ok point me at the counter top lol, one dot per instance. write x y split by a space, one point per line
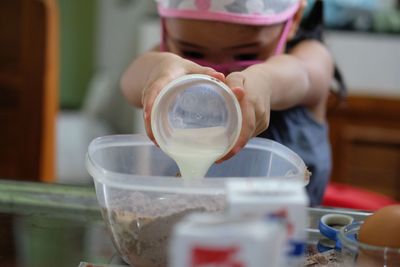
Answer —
49 225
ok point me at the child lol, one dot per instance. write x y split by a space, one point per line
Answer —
283 96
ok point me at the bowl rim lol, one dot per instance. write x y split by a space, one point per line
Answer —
356 245
198 186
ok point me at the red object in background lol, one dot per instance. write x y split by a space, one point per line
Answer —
202 256
346 196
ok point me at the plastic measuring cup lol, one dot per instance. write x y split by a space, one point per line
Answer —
196 119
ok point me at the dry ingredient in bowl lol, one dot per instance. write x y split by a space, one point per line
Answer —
330 258
141 226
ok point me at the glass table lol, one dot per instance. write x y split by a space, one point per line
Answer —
47 225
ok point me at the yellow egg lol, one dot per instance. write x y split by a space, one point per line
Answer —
382 228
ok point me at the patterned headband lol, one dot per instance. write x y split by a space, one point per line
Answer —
251 12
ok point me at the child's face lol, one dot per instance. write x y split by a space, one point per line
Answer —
219 42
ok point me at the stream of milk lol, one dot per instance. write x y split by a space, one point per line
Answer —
195 150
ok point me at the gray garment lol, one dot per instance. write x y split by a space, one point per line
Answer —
298 130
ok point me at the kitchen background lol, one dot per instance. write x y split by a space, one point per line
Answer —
61 61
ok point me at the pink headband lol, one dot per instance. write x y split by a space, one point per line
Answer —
249 12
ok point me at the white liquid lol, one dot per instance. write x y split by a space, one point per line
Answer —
195 150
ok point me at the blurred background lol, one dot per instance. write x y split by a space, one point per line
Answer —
61 61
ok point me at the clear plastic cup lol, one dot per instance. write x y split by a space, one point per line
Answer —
197 112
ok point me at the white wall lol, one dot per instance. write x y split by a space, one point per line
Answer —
105 111
369 62
119 22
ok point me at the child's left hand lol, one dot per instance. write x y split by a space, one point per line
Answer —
254 102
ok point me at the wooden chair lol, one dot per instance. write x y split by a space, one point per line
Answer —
28 89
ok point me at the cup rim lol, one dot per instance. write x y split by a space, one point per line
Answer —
196 77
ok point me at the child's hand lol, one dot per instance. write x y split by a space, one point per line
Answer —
168 68
255 105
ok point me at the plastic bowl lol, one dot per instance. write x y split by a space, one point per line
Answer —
358 254
142 199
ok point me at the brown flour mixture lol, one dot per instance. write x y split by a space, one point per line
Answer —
141 225
330 258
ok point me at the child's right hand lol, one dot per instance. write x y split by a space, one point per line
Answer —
167 67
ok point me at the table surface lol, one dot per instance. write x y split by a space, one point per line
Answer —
46 225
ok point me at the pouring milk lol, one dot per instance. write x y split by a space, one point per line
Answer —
195 150
196 120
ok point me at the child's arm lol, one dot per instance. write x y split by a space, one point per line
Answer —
149 73
302 77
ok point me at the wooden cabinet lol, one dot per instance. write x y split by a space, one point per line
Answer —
365 136
27 89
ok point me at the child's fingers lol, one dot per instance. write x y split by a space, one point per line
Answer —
262 123
235 81
150 93
148 98
197 69
147 125
217 75
246 132
239 93
241 142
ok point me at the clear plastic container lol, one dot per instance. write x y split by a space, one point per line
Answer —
142 199
358 254
198 113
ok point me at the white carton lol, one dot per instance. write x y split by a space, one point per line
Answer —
218 240
285 199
